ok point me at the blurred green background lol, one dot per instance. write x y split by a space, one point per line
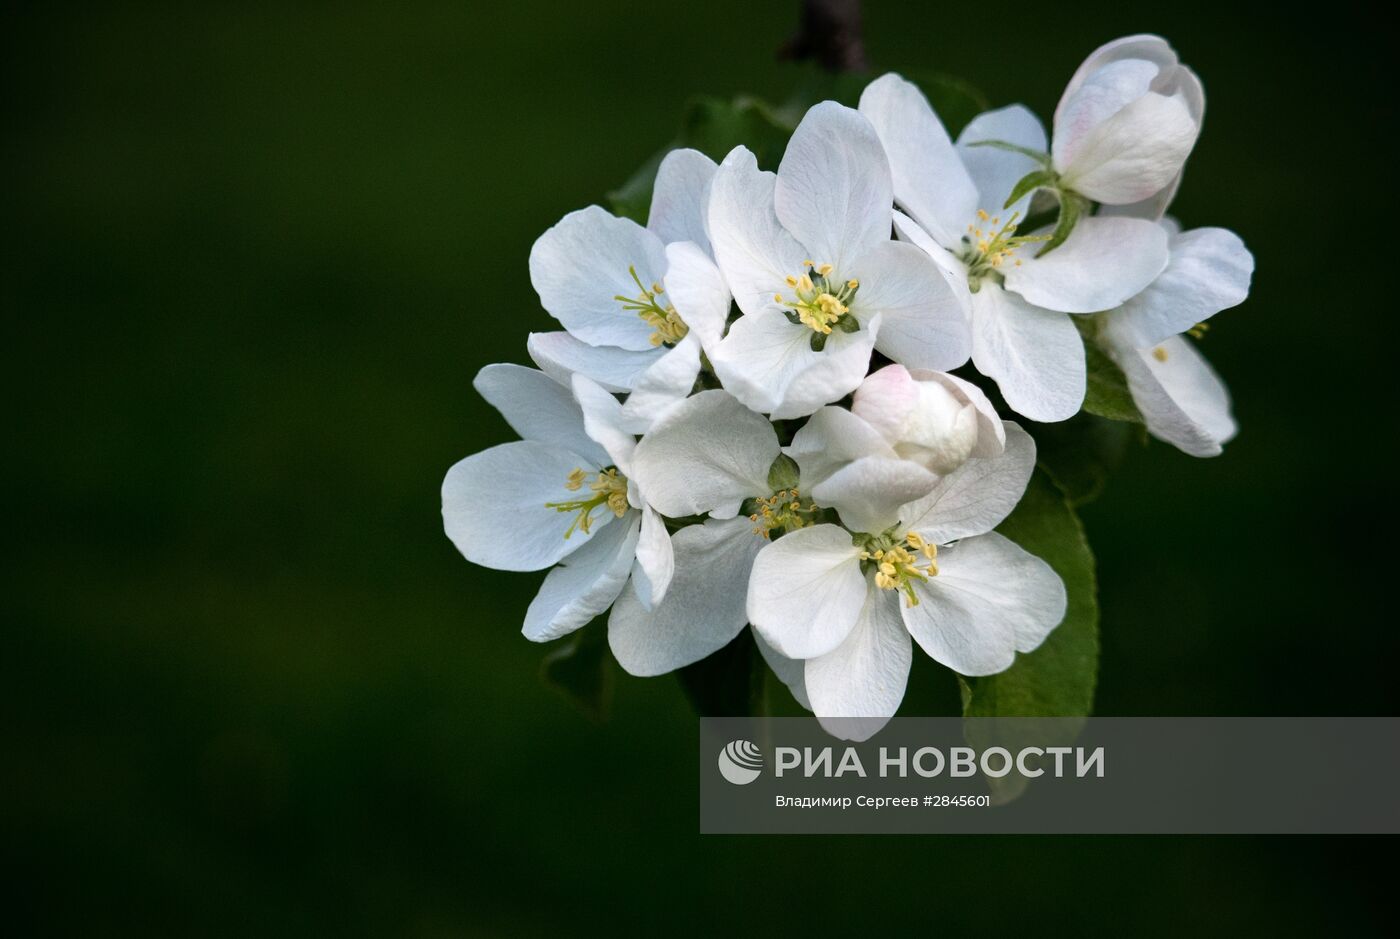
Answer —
255 254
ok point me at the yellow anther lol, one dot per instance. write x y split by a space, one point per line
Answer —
782 511
988 250
667 323
609 488
896 567
1160 354
820 300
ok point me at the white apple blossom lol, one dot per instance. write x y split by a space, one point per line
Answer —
808 257
710 455
952 198
1126 123
561 495
631 324
847 604
1181 399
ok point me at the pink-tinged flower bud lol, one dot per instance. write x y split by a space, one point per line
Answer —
930 418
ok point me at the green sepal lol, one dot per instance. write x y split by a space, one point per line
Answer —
1039 156
1072 207
1035 179
783 473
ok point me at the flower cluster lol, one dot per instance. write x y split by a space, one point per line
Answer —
749 416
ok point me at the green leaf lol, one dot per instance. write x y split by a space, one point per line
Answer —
633 198
580 667
1081 453
1032 181
1106 393
956 102
713 126
1057 679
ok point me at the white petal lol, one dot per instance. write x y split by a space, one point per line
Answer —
857 687
1153 49
954 271
581 264
702 612
930 180
996 171
1135 153
583 585
752 248
604 422
493 506
1100 95
869 492
560 355
922 319
1209 271
678 197
667 383
991 437
1182 399
789 671
1173 81
976 496
885 401
710 452
537 408
1104 262
832 438
834 191
698 291
807 591
1035 356
768 363
656 562
990 599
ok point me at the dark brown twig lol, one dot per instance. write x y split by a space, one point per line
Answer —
830 35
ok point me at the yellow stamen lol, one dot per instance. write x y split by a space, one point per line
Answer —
820 301
609 488
897 567
670 328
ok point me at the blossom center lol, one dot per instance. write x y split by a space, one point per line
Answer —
990 244
783 512
667 323
608 488
896 562
820 301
